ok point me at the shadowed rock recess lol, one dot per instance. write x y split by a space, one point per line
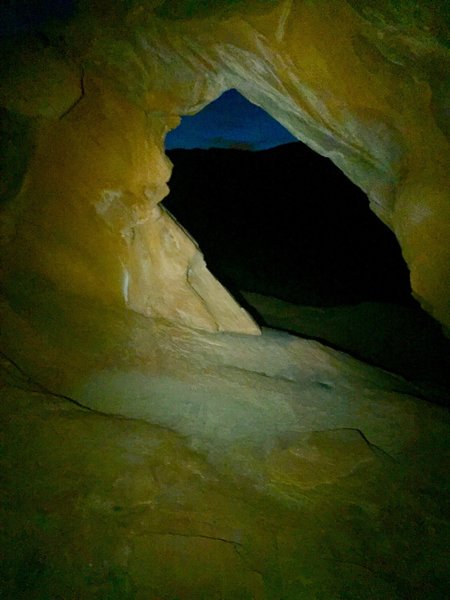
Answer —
156 443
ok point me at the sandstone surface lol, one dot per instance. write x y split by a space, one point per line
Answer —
94 97
154 445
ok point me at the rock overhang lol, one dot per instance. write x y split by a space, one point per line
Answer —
357 85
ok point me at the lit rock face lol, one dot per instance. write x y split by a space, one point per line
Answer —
109 239
93 101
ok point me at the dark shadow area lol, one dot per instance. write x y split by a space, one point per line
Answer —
287 225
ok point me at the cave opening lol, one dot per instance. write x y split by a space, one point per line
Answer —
294 240
274 217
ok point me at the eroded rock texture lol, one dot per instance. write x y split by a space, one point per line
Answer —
210 463
94 98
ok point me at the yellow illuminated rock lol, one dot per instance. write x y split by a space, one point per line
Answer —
156 443
362 86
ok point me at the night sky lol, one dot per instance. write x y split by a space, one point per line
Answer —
19 16
231 121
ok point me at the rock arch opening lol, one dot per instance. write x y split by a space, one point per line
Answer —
293 239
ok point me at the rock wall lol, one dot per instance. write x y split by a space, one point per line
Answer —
87 103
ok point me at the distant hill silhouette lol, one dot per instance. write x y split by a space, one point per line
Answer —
288 223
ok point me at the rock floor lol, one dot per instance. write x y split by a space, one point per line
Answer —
248 467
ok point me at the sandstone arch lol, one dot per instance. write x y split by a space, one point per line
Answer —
241 465
100 93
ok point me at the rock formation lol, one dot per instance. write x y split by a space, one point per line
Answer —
93 99
153 448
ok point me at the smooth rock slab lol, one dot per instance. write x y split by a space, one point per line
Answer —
97 506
